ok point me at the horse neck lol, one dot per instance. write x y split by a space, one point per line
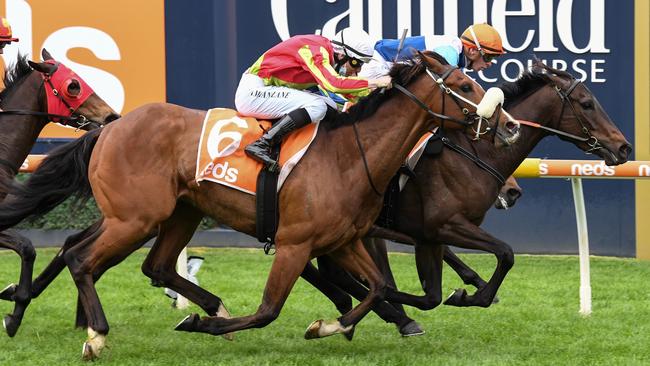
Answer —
19 133
387 137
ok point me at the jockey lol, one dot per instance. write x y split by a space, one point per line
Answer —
475 49
5 34
274 87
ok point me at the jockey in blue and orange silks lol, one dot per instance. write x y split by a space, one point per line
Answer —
475 49
274 87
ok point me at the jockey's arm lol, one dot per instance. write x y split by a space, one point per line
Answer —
317 63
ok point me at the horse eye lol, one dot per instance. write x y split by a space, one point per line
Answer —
74 88
466 88
587 105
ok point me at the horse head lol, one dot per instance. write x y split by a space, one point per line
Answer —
70 100
582 119
508 195
481 110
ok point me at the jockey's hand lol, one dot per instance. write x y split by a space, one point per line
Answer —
382 82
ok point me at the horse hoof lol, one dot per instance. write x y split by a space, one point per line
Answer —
411 329
457 298
349 334
11 325
312 331
8 292
87 353
189 324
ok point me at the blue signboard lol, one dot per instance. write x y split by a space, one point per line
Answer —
210 43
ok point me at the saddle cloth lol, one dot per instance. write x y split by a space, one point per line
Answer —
221 157
414 156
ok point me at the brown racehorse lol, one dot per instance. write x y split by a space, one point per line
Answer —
24 114
142 177
552 98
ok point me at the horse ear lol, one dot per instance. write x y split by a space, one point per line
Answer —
430 61
46 55
42 67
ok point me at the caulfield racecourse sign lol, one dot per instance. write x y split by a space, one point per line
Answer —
553 30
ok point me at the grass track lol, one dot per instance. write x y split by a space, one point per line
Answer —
536 323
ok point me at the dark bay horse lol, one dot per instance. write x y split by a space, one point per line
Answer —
27 105
562 106
144 180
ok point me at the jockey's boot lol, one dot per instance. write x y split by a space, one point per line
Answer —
260 150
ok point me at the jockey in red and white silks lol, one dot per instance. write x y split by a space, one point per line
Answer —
274 87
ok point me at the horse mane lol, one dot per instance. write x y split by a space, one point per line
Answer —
402 73
538 76
15 74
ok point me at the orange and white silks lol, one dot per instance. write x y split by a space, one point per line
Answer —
221 157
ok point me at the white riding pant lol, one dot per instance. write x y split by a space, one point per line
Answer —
255 99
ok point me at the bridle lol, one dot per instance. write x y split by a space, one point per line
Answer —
470 117
590 140
77 120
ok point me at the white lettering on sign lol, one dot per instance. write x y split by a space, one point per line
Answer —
644 170
527 8
58 43
599 169
543 169
103 46
551 22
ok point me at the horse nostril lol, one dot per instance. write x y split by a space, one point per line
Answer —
112 117
514 193
624 151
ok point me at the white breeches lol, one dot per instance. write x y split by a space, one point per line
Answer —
255 99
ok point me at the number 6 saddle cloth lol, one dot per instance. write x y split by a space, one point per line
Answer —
221 157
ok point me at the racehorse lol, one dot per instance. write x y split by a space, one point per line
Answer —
144 180
560 105
34 95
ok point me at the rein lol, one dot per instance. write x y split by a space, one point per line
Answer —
590 139
474 158
440 81
79 120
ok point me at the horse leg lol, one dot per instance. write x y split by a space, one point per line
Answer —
468 275
289 261
20 294
338 297
345 281
355 259
428 260
104 248
378 250
160 264
462 233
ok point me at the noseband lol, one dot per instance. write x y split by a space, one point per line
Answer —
77 121
591 140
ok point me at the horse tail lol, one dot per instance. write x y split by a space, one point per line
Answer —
63 173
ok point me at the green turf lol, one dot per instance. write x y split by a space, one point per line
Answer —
536 322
